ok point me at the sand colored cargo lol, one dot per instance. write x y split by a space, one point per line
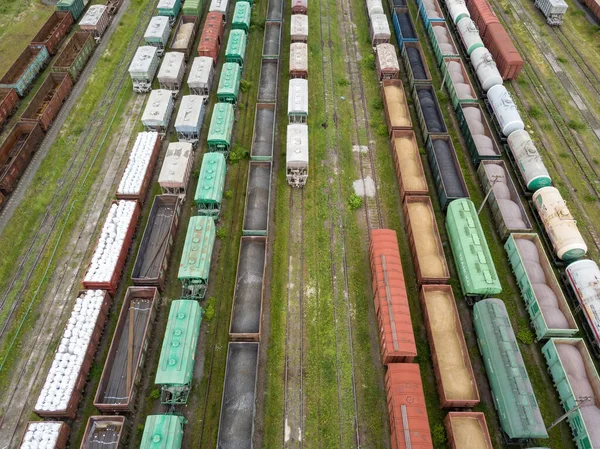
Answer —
425 243
467 430
407 160
453 371
397 114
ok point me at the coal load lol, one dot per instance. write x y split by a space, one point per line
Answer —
414 57
431 114
447 167
406 26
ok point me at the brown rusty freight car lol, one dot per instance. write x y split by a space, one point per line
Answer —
16 153
53 31
48 100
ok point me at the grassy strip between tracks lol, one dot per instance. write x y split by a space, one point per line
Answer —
21 228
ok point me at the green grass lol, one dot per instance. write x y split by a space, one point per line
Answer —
52 178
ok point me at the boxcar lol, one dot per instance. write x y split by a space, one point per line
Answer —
211 182
477 133
95 21
396 335
594 6
8 104
457 82
221 128
517 408
212 34
425 242
447 174
404 28
122 371
482 14
75 7
504 201
47 434
407 410
235 51
16 152
103 430
540 290
415 64
169 428
48 100
409 167
176 168
179 345
152 261
467 429
296 154
53 31
25 70
194 268
454 375
397 114
184 35
386 62
75 55
507 57
476 269
241 16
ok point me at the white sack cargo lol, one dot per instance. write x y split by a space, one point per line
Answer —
139 158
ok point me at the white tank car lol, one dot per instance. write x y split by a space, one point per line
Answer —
505 110
457 9
584 278
485 67
559 224
530 164
374 7
469 34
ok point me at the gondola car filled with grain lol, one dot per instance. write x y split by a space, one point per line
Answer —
24 71
16 152
525 156
48 100
221 128
143 67
171 72
415 64
158 32
95 21
53 31
201 76
45 435
545 302
467 430
158 110
211 183
176 168
123 369
477 133
184 35
397 114
152 261
194 267
518 411
75 55
63 387
504 201
409 167
476 269
454 375
175 371
190 118
447 175
396 335
386 62
103 431
425 242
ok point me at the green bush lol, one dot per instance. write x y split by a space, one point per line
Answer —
382 130
245 85
576 125
222 233
377 104
355 202
140 429
209 309
368 62
535 112
155 394
196 174
228 194
438 435
237 154
342 82
525 336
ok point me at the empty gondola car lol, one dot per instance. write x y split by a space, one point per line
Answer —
296 154
518 411
75 55
175 371
53 31
211 182
194 268
24 71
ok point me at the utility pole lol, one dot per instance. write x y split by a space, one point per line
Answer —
580 403
495 179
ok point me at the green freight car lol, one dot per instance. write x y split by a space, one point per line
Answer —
178 354
514 400
229 83
192 8
194 268
163 432
169 8
236 48
544 299
74 56
241 16
571 366
75 7
221 128
476 270
211 182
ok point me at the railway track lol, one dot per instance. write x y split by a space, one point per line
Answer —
50 222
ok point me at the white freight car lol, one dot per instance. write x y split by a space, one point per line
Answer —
190 117
176 168
296 168
158 110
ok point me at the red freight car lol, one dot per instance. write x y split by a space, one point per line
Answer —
53 31
61 438
46 103
106 430
482 14
16 153
212 35
8 104
507 58
409 423
594 6
391 301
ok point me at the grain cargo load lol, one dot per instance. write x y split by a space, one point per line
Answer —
407 410
415 64
386 62
425 242
45 435
518 411
409 167
477 133
447 175
184 35
583 277
467 430
176 168
457 82
95 21
138 173
190 118
122 371
201 76
8 104
504 201
152 261
112 247
158 111
442 42
158 32
102 431
397 114
53 31
396 336
60 395
75 55
171 72
476 269
48 100
24 71
16 152
456 383
547 307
